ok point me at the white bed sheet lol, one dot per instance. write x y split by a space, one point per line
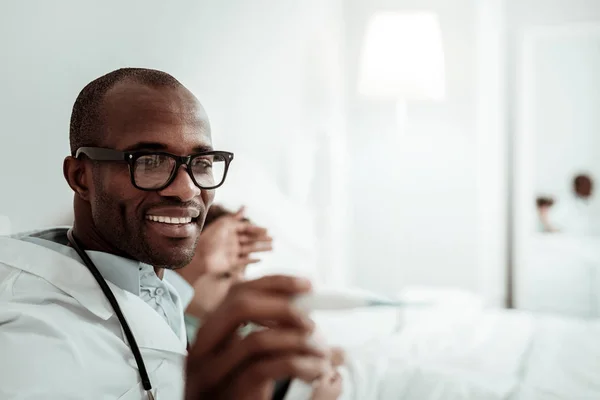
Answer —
490 355
451 356
563 362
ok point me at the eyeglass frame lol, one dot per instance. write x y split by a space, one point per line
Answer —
130 157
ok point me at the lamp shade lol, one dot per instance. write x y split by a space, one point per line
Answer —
403 57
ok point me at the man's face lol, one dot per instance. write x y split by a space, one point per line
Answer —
138 117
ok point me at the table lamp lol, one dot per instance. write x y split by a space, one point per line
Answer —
403 59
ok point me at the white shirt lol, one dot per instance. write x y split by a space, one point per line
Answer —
575 216
60 338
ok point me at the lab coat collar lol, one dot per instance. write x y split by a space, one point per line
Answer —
126 276
123 272
73 278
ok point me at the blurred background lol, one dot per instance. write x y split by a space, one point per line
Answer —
385 143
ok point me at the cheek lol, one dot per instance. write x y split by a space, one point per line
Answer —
117 177
207 197
113 186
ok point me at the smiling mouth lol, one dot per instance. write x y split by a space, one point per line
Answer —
171 220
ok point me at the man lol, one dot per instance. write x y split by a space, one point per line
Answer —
143 172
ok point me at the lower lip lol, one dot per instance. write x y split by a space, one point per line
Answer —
173 230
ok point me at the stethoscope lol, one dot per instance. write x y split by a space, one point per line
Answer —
115 305
281 387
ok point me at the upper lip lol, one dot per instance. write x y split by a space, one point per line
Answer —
174 212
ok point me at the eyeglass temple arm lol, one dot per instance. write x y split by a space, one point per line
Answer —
100 154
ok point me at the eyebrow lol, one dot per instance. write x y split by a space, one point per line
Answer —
161 147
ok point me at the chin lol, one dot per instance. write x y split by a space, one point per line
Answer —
170 261
173 255
167 251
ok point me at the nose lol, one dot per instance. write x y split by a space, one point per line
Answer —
182 187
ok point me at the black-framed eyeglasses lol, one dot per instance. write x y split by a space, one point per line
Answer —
155 170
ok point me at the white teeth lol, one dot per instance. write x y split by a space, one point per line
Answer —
169 220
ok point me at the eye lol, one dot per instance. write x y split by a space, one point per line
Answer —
152 161
204 162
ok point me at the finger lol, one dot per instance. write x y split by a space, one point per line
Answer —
282 325
283 284
245 261
219 326
306 368
245 239
199 368
255 301
269 341
261 344
255 247
336 377
240 213
338 355
254 230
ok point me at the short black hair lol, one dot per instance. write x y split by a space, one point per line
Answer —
544 201
86 121
582 179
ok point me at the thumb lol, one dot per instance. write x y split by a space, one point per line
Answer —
241 213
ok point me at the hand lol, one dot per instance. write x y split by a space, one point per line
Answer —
223 366
226 245
252 239
338 356
329 387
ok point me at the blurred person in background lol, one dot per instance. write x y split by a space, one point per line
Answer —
577 214
544 207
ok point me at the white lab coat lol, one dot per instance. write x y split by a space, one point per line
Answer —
60 338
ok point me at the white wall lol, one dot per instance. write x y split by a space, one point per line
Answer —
521 17
565 106
492 151
414 193
255 66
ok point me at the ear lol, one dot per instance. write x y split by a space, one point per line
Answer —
74 171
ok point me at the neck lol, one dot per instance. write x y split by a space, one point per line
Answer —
91 239
86 233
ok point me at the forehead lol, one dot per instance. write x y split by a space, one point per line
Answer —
134 113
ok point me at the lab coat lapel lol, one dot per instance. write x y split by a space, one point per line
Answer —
150 329
71 276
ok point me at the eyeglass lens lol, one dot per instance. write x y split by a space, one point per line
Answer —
152 171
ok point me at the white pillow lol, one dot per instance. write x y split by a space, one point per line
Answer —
446 302
349 328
